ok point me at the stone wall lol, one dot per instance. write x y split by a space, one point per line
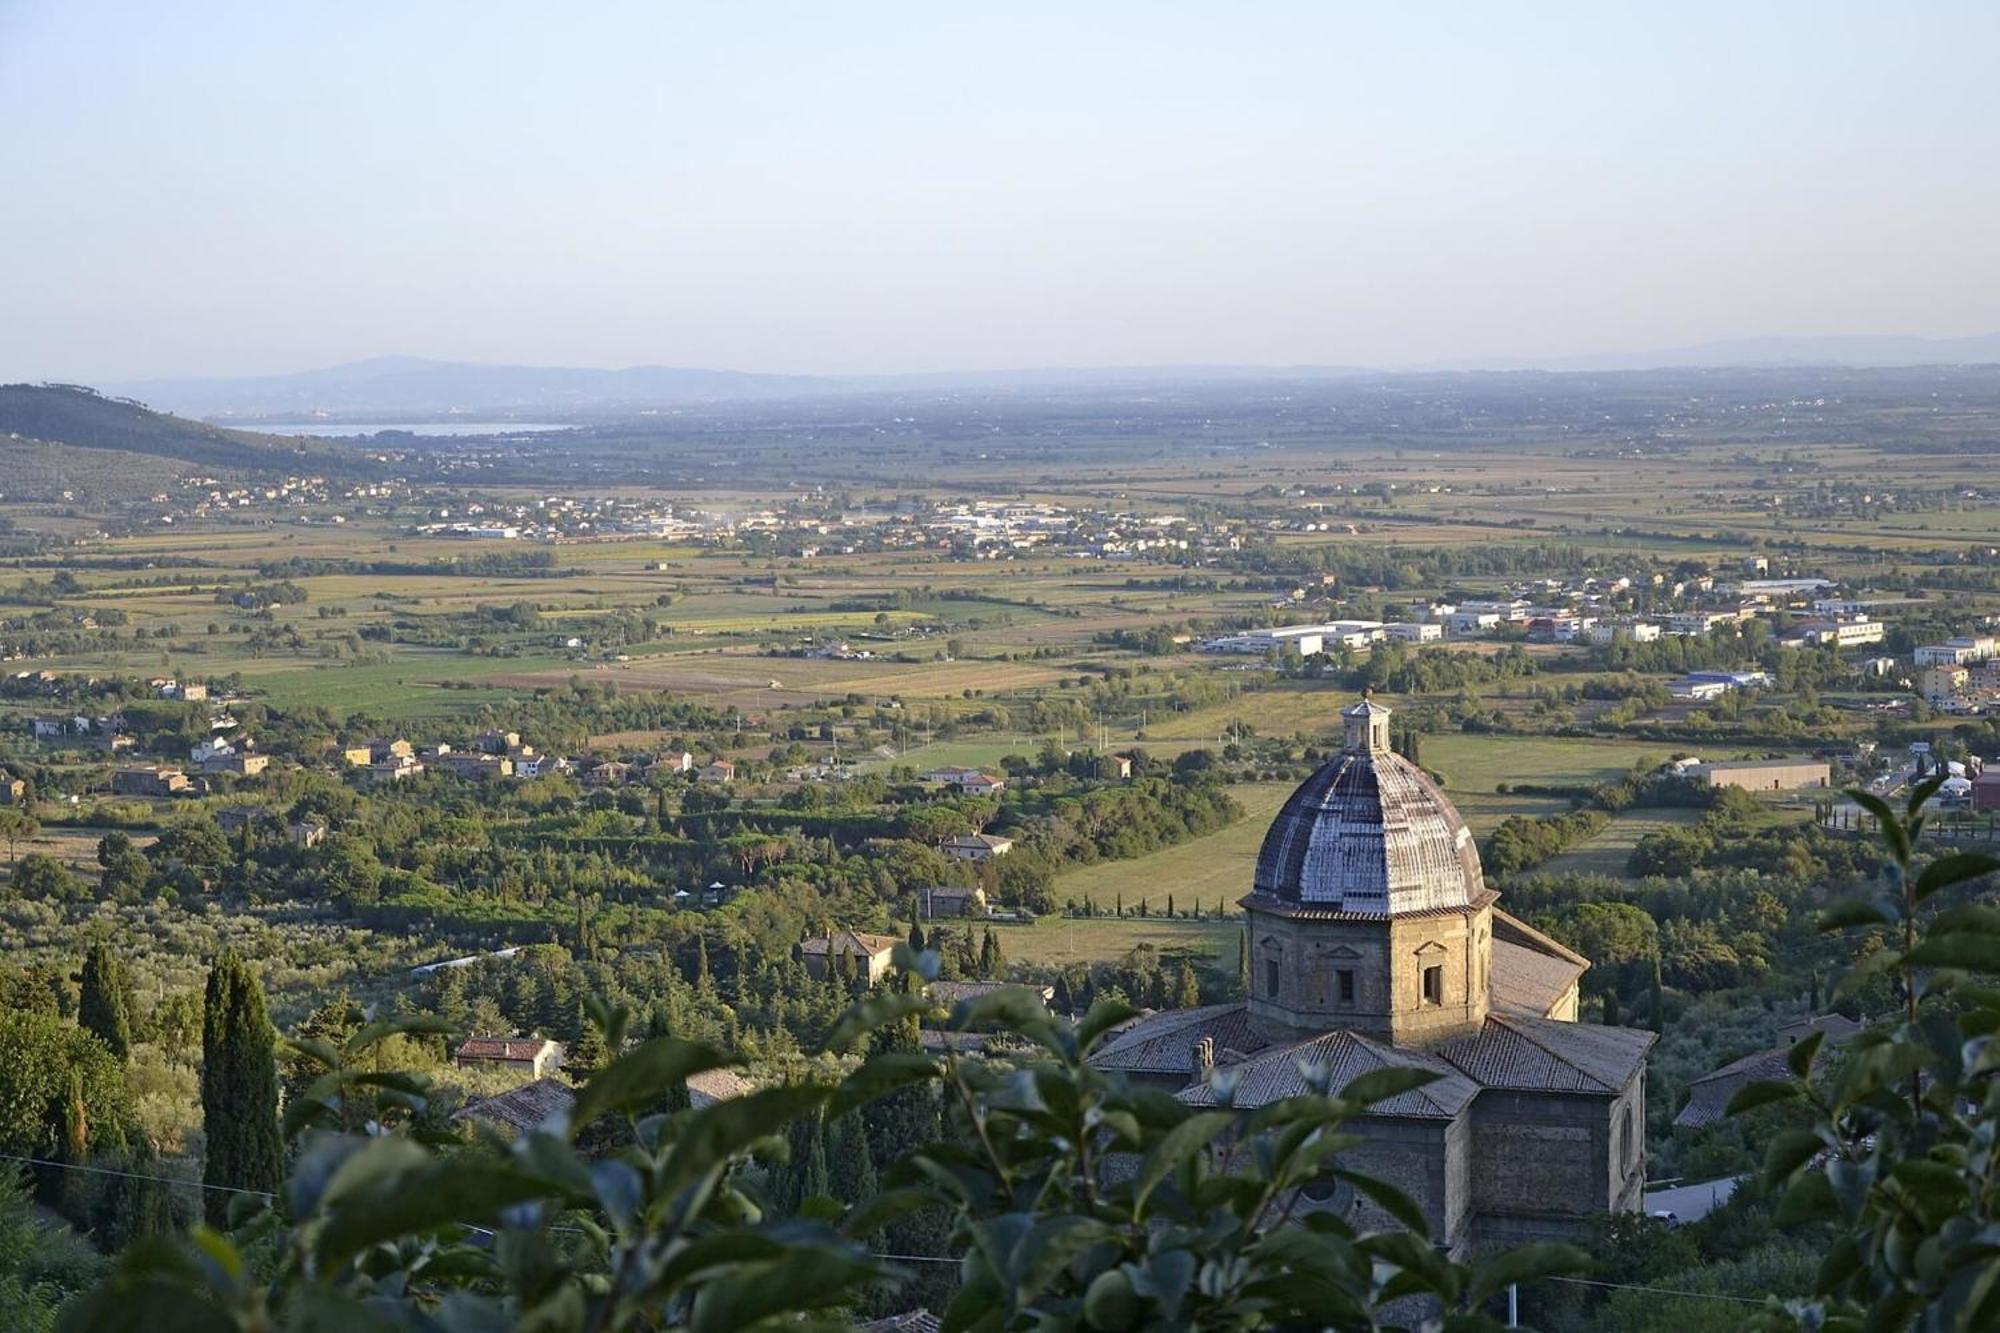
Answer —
1387 958
1543 1163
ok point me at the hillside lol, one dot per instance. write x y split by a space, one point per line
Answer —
85 419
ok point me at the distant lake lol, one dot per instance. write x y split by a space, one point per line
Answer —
336 430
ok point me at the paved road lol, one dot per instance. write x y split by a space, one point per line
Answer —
1691 1203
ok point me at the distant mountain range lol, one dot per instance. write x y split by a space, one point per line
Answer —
1857 351
412 386
390 387
85 419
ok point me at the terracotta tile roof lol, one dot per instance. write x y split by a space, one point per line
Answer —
716 1085
1516 931
854 942
1527 982
503 1048
991 841
1276 1074
1710 1094
1543 1055
1163 1043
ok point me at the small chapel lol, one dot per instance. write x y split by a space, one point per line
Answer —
1374 941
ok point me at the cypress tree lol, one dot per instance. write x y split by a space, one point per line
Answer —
103 1007
1187 989
1659 1019
990 964
239 1087
916 928
1243 959
850 1165
1170 907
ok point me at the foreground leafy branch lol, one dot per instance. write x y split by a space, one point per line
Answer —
1078 1203
1901 1155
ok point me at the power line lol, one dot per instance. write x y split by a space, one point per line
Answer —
1656 1291
134 1175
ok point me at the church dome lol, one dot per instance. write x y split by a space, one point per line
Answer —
1370 833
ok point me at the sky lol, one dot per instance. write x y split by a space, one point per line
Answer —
252 188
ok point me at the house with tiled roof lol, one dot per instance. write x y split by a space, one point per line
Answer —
976 846
867 955
1375 944
534 1056
1708 1096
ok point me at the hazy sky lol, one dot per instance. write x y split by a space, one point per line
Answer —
195 188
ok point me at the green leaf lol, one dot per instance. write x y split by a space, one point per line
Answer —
1967 919
711 1136
393 1027
1177 1145
1893 831
1799 1058
1110 1303
1955 868
1103 1016
1972 953
1048 1249
1849 913
1428 1270
1924 790
876 1011
645 1074
1523 1263
1381 1084
807 1277
1390 1200
878 1077
872 1214
1753 1095
1809 1198
1788 1152
392 1189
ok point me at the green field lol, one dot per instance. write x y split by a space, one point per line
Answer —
1055 941
1606 853
1205 870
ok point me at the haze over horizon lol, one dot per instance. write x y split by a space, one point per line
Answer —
236 190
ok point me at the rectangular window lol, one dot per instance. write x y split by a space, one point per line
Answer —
1434 985
1271 977
1346 977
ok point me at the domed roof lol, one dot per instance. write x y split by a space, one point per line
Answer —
1370 833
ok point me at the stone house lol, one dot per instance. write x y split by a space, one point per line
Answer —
976 846
537 1057
149 782
868 954
951 901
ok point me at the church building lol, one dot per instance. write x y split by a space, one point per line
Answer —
1374 942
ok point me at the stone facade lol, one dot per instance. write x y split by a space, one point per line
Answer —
1410 980
1373 941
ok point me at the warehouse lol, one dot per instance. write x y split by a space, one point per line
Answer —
1764 774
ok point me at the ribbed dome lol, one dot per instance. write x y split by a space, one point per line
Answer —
1369 832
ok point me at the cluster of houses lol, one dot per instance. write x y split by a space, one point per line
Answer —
1960 675
494 755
